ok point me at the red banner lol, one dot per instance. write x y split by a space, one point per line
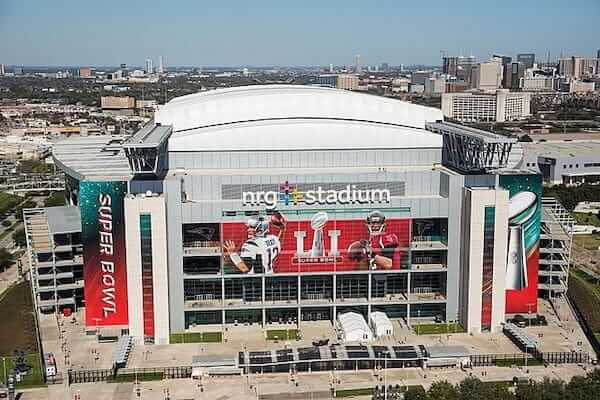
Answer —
319 244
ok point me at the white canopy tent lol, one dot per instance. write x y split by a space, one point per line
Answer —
381 324
353 328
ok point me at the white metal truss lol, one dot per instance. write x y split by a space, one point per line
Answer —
472 150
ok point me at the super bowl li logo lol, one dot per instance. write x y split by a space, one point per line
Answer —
317 253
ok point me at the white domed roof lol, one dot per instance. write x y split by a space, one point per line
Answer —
295 117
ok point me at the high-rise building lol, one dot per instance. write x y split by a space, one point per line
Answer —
358 67
499 107
331 68
329 80
149 67
464 67
161 67
385 67
528 59
347 81
487 76
513 73
435 85
18 70
577 67
2 69
504 60
450 65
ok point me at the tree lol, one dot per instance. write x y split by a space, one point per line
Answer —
500 391
5 259
474 389
19 237
443 391
584 387
6 223
19 209
416 393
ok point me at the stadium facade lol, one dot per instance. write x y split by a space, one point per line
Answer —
293 203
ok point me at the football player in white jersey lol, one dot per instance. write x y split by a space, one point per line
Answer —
258 253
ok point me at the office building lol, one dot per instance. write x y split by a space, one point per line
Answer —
504 60
487 76
512 76
117 102
85 73
347 82
358 66
577 67
539 83
340 81
2 71
161 67
450 65
486 107
327 80
313 175
435 85
419 77
460 67
528 59
149 68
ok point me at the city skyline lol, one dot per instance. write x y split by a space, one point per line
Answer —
272 34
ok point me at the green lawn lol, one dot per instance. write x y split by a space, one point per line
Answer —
196 337
520 362
585 219
129 377
438 329
354 392
366 391
588 281
34 378
588 242
283 334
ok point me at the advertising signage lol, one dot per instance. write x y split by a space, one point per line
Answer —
103 237
525 216
324 241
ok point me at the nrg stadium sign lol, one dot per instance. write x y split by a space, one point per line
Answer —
293 196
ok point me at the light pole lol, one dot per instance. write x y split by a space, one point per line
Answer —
419 322
385 377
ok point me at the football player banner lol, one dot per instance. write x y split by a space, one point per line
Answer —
272 244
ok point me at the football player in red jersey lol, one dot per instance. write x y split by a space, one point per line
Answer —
378 251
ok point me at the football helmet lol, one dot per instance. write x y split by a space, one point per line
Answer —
376 222
259 227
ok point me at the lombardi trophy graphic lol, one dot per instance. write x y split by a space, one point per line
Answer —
521 209
317 222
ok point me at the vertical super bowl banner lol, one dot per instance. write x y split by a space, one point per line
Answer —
103 236
524 221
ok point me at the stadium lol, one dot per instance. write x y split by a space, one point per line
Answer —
277 204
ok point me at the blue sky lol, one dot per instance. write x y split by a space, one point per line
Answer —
303 32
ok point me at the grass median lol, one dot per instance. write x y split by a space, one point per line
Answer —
438 329
283 334
196 337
